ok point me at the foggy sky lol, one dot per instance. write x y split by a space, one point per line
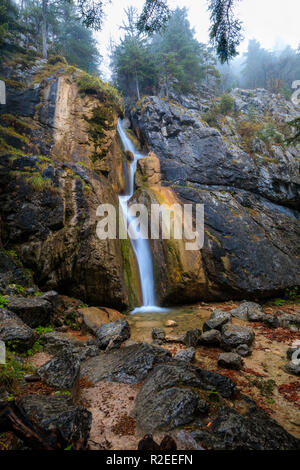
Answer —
269 21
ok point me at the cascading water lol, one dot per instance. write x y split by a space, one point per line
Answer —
141 247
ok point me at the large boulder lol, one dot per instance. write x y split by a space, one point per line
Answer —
169 398
113 334
234 335
62 371
14 332
34 311
130 364
254 430
94 317
56 341
59 414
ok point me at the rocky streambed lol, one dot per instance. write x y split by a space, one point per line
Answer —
213 376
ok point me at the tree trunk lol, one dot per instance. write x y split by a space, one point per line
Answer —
44 27
137 86
167 88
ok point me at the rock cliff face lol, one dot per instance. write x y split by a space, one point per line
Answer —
60 159
248 182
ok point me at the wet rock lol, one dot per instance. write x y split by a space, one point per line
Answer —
59 414
10 272
293 367
34 311
254 430
93 317
130 364
249 311
230 361
62 371
169 408
271 321
168 398
243 350
112 334
234 335
15 332
186 355
158 334
217 320
210 338
56 341
191 337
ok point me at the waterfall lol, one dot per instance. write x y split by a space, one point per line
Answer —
141 247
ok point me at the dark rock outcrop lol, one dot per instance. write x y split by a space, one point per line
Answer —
33 311
62 371
250 200
169 398
59 414
253 431
14 332
130 364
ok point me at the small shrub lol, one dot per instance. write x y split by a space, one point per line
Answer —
38 183
56 59
37 347
211 117
226 104
41 330
3 302
12 372
91 84
248 130
269 132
